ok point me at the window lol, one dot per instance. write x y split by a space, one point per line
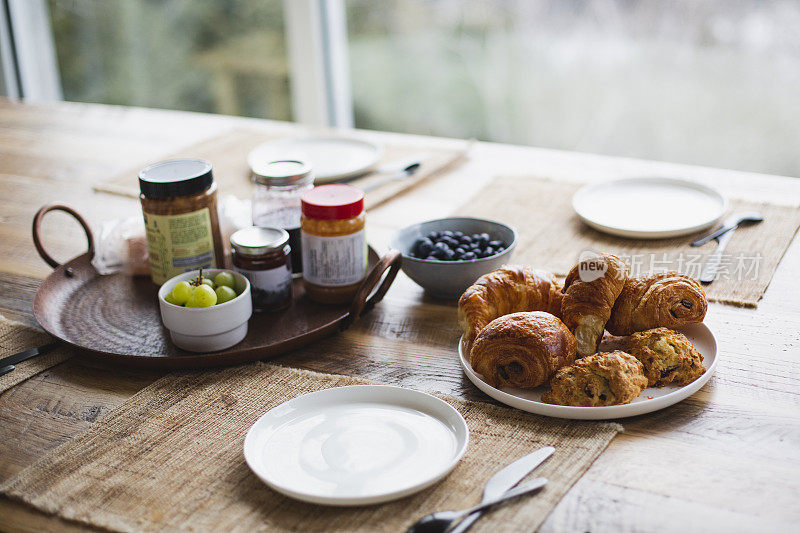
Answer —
211 56
709 82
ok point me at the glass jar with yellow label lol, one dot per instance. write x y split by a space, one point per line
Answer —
334 246
179 203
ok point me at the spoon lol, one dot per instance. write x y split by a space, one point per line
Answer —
441 521
732 222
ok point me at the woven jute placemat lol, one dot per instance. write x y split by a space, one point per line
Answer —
170 458
16 337
552 237
228 153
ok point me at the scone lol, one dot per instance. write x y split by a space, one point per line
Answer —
667 356
601 379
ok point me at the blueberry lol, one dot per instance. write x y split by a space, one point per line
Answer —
483 240
452 242
423 247
432 256
465 239
496 244
447 233
469 256
434 235
460 251
438 253
488 251
474 246
458 234
500 250
449 255
442 245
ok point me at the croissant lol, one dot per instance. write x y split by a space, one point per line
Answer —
522 349
590 290
667 300
509 289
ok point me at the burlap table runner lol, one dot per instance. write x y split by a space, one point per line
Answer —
228 153
552 237
15 337
170 458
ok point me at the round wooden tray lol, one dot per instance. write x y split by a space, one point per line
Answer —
115 318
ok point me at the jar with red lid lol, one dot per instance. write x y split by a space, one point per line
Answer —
262 255
334 245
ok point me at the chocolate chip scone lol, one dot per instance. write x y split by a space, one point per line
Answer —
612 378
667 356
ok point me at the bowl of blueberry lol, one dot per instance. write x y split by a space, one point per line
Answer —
447 255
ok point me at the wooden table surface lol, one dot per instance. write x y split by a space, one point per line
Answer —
726 458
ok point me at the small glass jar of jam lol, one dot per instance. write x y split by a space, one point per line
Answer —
276 200
262 255
333 242
179 203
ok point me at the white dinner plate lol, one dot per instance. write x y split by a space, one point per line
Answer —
651 399
331 158
649 208
356 445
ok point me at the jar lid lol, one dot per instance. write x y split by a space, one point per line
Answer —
282 173
176 177
259 240
337 201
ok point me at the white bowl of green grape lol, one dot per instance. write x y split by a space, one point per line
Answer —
206 311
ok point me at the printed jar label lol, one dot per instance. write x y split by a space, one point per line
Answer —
269 287
334 261
179 243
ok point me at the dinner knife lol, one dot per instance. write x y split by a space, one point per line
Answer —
711 267
24 355
504 480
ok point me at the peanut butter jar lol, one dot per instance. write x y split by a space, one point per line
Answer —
334 245
179 204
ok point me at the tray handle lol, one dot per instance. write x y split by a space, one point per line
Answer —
363 302
37 240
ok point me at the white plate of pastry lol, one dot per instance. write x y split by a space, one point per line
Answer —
536 345
649 207
649 400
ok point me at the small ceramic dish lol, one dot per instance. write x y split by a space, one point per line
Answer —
207 329
449 279
356 445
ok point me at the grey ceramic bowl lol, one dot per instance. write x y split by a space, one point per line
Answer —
448 279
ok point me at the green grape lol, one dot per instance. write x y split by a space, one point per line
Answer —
181 292
207 281
170 299
225 294
202 296
225 279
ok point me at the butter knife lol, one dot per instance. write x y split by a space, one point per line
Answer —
506 479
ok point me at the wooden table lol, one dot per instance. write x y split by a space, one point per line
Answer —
726 458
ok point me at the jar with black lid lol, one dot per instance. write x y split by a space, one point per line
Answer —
263 256
179 204
276 200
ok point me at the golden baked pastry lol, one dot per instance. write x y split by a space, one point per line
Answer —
613 378
510 289
522 349
590 290
667 356
667 300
